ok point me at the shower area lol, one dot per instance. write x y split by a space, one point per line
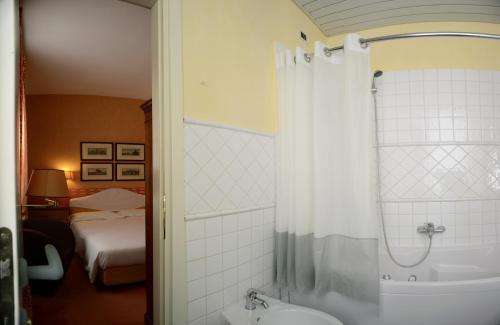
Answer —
439 160
425 166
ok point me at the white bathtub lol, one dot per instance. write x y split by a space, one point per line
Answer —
455 286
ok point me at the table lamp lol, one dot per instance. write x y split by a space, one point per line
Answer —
48 183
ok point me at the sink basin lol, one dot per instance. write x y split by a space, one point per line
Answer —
278 313
284 315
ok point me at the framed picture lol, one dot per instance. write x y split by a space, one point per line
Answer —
129 172
96 172
130 151
96 150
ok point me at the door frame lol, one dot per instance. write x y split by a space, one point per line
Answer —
9 59
170 305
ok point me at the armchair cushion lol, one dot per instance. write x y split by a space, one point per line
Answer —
39 232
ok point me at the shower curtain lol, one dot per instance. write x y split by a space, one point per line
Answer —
326 216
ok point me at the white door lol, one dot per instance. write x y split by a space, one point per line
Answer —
9 53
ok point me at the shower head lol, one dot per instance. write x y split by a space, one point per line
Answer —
376 74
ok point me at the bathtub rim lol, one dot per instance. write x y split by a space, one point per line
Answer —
434 249
439 287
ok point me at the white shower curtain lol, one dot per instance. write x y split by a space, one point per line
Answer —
326 216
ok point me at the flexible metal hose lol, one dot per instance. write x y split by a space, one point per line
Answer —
379 196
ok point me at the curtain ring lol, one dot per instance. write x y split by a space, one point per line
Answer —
328 53
363 44
307 57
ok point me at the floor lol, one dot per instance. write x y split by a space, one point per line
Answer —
78 302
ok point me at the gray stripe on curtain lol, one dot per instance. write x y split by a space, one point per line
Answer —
337 263
294 262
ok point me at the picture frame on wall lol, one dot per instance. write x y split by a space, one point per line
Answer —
130 151
96 151
96 172
130 172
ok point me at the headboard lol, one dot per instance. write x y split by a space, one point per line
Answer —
80 192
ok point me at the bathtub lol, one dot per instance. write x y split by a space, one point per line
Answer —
454 286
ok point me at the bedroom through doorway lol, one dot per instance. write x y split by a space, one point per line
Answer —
87 138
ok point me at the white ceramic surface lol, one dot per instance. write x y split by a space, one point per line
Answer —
455 286
278 313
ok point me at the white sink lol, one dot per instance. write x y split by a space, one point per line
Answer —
278 313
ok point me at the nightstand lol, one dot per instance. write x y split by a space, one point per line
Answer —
57 213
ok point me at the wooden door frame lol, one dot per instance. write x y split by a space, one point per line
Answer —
170 303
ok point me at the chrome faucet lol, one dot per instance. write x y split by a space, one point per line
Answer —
252 300
429 229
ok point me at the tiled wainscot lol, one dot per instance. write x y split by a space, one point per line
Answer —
229 183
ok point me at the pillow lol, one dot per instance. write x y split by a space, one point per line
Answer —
109 199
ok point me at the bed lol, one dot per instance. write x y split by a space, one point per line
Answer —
109 230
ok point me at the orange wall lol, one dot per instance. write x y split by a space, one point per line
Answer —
57 124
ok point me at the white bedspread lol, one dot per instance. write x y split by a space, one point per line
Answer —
110 238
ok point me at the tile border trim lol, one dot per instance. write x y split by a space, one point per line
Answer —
228 127
208 215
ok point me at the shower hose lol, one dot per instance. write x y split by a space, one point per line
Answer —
379 197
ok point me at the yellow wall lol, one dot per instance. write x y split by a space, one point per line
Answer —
432 52
228 53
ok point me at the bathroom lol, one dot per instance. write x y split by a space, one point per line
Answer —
264 209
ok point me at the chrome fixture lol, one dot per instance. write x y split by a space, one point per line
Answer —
386 277
252 300
377 74
412 278
365 41
429 229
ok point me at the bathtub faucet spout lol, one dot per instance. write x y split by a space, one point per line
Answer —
429 229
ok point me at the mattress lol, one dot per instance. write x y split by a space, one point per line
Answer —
107 239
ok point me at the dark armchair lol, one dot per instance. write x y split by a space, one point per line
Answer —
49 246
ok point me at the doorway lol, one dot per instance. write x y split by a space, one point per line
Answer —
88 71
167 191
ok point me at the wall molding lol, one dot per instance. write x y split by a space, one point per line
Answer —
228 127
438 200
208 215
437 144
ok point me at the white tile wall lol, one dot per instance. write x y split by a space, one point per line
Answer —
439 132
467 222
451 171
435 106
227 253
227 169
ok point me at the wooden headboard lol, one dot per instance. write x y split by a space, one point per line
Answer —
79 192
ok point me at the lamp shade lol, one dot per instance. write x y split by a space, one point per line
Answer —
48 183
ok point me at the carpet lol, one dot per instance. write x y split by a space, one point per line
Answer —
78 302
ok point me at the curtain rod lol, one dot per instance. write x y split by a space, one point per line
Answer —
365 41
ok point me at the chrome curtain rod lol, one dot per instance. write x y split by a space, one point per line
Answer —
365 41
